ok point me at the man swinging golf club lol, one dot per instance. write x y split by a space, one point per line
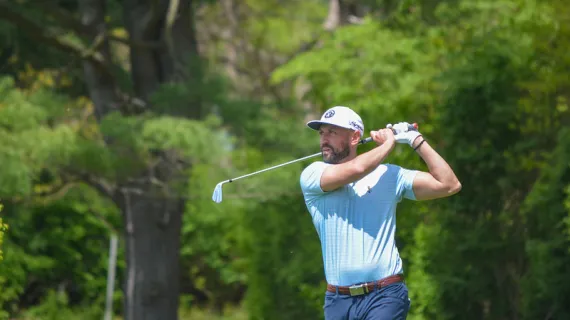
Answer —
352 200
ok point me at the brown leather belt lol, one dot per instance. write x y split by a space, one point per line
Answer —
363 288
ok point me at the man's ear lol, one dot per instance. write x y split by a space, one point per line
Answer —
356 137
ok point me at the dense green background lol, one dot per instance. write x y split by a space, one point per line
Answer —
488 82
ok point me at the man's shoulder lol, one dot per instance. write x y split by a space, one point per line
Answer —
317 165
392 168
393 171
387 168
311 176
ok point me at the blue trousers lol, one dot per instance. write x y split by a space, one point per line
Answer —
388 303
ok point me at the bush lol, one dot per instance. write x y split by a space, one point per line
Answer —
3 228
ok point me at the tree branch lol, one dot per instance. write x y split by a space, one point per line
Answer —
56 193
170 17
138 44
103 187
69 22
40 33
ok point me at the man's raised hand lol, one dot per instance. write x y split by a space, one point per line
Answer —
404 134
382 136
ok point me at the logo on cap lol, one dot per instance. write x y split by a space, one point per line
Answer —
329 114
357 126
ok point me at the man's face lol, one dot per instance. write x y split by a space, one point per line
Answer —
335 143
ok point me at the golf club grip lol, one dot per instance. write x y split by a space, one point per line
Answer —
411 127
363 141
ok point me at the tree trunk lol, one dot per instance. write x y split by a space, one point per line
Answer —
338 14
152 215
179 62
100 81
231 36
152 234
170 23
142 19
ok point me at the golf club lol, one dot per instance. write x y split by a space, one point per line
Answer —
217 195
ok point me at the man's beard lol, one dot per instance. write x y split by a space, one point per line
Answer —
335 156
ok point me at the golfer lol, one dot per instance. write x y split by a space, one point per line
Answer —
352 200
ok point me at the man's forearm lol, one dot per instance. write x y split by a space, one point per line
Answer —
438 167
338 175
368 161
341 174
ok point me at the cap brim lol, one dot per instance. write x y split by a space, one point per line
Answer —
315 124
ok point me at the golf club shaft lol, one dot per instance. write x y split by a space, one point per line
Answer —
363 141
275 167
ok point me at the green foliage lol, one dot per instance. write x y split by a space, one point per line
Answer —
546 282
485 70
3 228
462 79
136 140
32 144
62 245
273 23
213 268
53 242
486 81
28 144
229 313
56 306
355 67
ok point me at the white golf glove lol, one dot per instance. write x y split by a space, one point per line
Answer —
403 134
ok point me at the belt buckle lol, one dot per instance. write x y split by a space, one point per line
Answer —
357 290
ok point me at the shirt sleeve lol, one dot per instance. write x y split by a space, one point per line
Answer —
311 179
405 183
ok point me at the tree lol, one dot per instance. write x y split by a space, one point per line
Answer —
143 150
3 228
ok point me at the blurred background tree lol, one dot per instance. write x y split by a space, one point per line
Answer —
121 116
3 228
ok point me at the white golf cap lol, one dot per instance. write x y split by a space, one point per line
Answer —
339 116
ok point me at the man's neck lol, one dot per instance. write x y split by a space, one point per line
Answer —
350 157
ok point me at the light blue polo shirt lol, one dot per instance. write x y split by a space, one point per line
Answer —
357 222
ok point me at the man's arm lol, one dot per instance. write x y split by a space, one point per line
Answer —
440 181
338 175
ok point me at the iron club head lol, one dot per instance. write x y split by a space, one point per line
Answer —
217 195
